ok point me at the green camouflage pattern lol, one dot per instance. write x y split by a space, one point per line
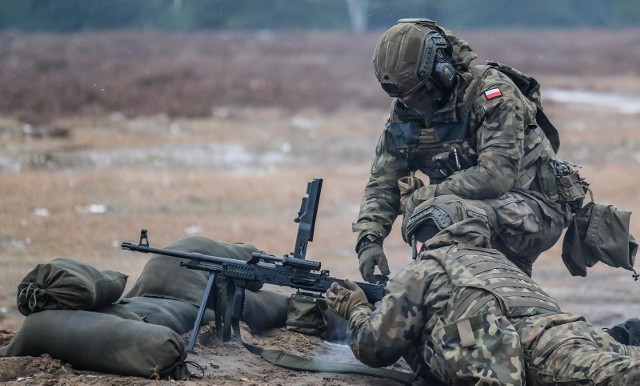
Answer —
464 313
495 357
565 349
522 224
497 147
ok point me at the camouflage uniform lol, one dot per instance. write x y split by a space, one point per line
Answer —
467 315
482 145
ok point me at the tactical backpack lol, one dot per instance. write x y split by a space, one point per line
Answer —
530 87
559 179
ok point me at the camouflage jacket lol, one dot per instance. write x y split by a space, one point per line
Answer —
456 280
481 144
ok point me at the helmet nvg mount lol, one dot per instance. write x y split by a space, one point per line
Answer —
436 214
410 54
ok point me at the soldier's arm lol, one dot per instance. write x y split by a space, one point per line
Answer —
500 140
379 338
381 201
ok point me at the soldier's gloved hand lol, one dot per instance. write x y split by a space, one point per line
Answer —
371 255
342 300
408 185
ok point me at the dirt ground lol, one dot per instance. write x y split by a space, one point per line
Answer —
228 363
77 182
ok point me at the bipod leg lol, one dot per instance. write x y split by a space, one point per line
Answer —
203 307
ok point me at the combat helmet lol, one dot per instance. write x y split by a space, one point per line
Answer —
435 215
411 54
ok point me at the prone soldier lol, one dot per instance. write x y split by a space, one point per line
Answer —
463 313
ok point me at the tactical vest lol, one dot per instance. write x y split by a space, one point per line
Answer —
484 278
440 149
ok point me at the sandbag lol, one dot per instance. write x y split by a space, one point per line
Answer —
67 284
163 276
263 310
174 314
337 328
100 342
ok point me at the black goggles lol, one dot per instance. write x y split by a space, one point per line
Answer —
393 91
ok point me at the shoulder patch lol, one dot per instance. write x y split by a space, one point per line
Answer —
493 93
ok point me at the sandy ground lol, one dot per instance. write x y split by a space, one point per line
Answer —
79 186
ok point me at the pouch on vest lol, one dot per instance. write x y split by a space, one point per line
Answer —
306 315
481 349
561 182
599 232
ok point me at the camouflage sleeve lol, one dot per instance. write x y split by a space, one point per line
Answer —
379 338
500 141
381 201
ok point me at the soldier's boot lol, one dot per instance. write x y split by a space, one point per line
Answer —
627 332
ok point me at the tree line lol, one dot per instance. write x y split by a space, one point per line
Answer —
190 15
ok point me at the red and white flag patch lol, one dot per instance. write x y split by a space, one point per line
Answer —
493 93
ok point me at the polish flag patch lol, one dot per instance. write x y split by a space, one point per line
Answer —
493 93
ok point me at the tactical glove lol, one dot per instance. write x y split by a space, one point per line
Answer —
342 300
370 254
408 185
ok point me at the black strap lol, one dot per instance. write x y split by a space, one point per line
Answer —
549 129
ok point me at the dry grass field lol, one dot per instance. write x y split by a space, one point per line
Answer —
217 134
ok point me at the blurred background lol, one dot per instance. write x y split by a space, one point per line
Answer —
192 117
359 15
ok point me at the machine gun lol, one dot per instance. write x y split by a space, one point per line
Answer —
292 271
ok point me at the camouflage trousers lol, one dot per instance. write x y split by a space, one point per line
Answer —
523 225
564 349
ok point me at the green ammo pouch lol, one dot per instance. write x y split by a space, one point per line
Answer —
561 182
65 284
306 315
